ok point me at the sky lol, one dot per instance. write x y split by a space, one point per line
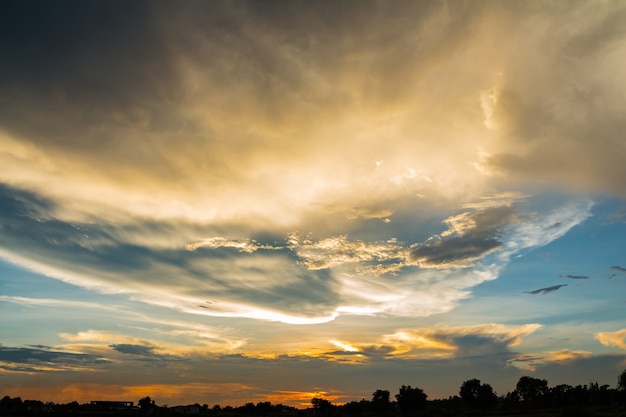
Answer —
240 201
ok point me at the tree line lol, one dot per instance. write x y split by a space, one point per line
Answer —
531 396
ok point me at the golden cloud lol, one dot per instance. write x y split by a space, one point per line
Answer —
530 361
616 338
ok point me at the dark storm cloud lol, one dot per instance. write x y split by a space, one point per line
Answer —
575 276
546 290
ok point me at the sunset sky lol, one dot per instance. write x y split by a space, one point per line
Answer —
231 201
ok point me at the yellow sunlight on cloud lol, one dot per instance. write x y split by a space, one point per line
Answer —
616 338
100 336
344 346
406 341
442 337
192 342
530 361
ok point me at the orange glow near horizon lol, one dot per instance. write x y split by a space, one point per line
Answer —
170 395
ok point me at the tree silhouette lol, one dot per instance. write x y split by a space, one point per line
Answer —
621 386
380 401
531 390
579 400
561 395
410 399
475 394
354 408
322 407
146 403
8 403
469 392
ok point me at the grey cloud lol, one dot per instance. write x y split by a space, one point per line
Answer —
618 268
546 290
548 112
575 276
470 236
130 349
66 59
45 359
479 346
457 252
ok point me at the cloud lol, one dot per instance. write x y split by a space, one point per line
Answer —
98 336
546 113
292 278
443 341
546 290
618 268
37 359
616 338
531 361
255 155
575 276
471 236
337 251
140 350
269 76
458 252
241 245
171 339
135 119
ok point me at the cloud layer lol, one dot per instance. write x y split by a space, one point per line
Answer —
294 279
